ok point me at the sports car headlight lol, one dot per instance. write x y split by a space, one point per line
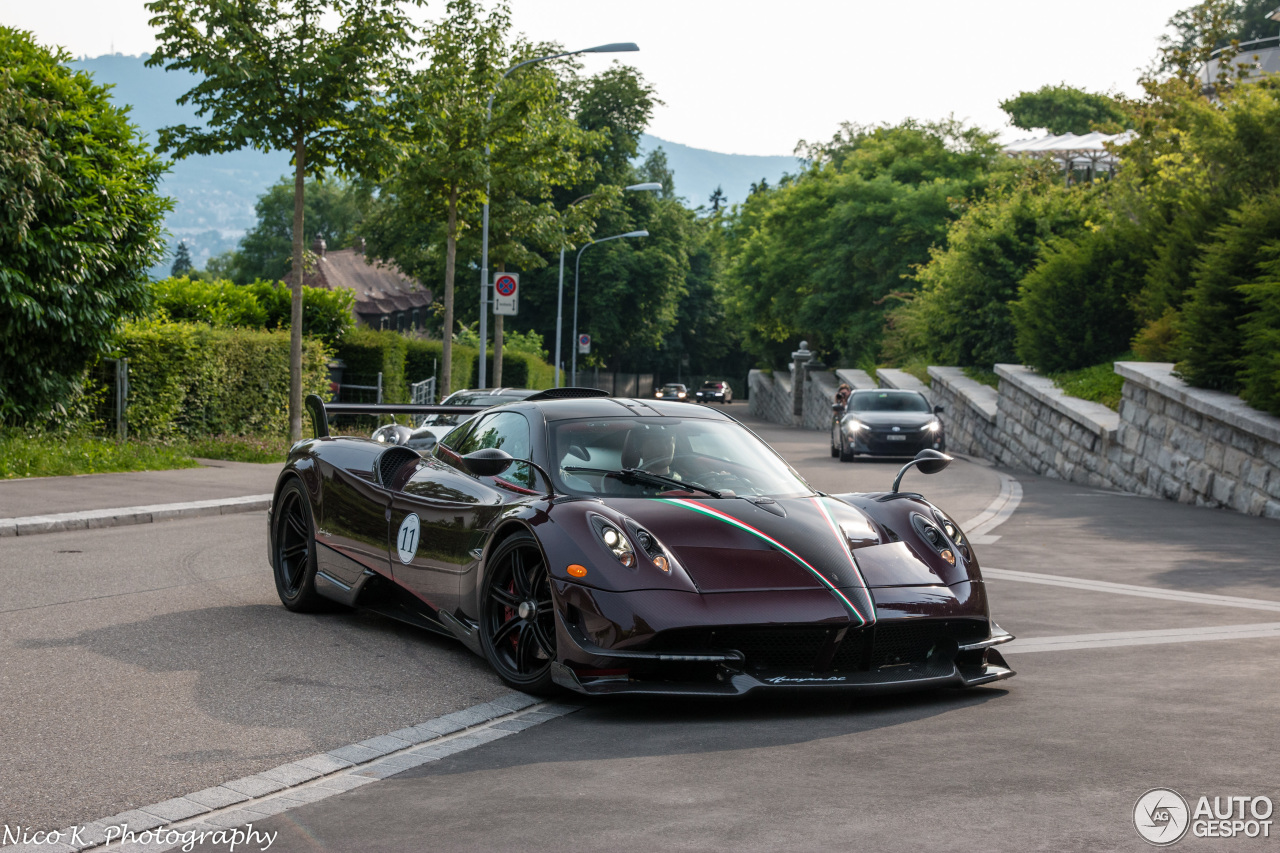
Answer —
933 426
851 426
615 540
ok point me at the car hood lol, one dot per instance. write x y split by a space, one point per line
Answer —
730 545
906 420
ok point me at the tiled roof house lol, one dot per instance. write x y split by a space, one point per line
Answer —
386 298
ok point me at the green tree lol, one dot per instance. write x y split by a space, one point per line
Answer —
438 187
274 77
960 315
181 261
1065 109
332 212
80 224
817 257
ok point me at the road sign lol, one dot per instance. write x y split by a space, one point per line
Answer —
584 343
506 293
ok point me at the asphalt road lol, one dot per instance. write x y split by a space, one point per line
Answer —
157 662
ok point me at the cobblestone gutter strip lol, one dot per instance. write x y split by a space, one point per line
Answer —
93 518
249 800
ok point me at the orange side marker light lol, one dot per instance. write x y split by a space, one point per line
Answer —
577 571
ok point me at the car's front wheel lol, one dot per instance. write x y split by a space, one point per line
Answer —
517 621
293 559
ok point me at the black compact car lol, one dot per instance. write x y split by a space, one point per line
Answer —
632 546
673 391
886 422
714 391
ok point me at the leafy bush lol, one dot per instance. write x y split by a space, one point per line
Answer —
262 304
192 379
1211 337
80 224
1099 382
1074 308
1156 341
367 353
961 313
424 356
1260 363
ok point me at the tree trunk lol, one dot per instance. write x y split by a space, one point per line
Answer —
295 313
497 342
450 259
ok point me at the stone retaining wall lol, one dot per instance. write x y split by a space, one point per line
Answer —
1194 446
769 396
968 410
1168 440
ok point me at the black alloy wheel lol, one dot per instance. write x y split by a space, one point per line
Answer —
294 557
517 621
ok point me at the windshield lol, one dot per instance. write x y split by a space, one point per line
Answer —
467 400
672 387
889 401
711 454
714 386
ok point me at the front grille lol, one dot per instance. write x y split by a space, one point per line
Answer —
911 642
809 649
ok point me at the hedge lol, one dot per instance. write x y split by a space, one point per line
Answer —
192 379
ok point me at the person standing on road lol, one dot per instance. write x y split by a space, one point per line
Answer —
842 394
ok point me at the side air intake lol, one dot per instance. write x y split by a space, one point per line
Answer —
390 463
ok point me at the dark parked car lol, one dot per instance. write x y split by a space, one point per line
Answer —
633 546
673 391
714 391
886 422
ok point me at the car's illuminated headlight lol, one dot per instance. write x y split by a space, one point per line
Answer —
682 395
615 540
933 426
851 426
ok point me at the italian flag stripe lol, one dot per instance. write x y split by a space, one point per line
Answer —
728 519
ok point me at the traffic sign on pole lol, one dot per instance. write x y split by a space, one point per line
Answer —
584 343
506 293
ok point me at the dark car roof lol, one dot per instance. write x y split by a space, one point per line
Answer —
616 407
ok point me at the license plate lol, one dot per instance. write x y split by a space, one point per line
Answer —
896 437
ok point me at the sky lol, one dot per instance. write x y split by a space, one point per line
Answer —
752 77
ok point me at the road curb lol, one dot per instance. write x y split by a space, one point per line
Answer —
119 516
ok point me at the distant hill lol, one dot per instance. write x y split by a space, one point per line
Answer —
215 195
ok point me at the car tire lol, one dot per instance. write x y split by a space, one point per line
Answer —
519 646
293 555
846 452
835 451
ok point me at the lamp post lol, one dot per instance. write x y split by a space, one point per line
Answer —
615 47
574 375
652 185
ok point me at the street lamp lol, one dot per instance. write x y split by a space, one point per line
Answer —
574 375
615 47
652 185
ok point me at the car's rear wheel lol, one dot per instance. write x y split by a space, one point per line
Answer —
517 622
293 559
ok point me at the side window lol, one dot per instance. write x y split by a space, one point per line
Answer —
507 431
455 436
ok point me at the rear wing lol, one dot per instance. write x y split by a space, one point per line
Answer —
321 411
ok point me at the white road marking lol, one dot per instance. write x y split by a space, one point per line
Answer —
1133 589
1142 638
980 526
249 800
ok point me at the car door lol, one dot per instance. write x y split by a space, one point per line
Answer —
453 511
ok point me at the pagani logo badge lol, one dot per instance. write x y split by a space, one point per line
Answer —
787 679
1161 816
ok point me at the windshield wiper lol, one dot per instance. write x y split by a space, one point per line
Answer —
641 474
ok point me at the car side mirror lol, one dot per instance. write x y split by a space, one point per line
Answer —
488 461
928 461
937 410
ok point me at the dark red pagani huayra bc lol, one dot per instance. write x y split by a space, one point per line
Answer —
612 545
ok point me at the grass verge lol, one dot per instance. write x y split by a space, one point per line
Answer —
26 454
1099 383
983 375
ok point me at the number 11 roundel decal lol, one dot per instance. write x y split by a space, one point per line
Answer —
407 538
